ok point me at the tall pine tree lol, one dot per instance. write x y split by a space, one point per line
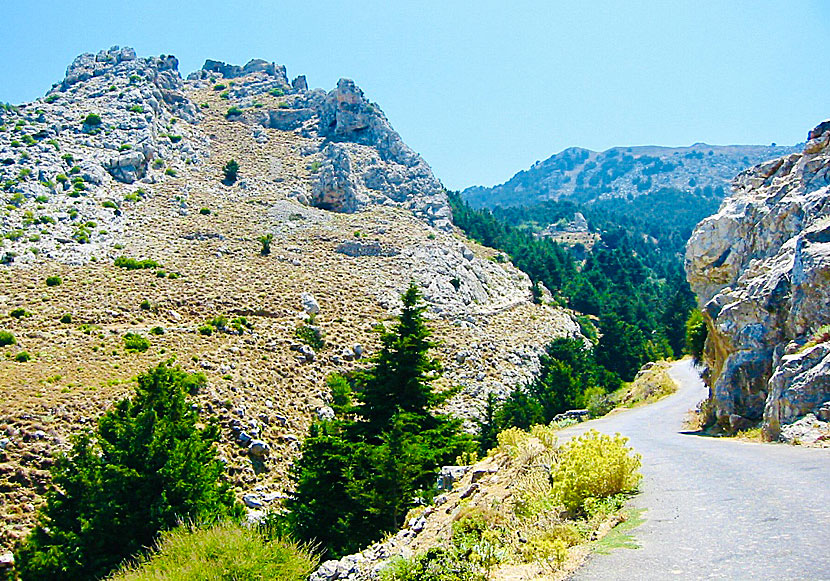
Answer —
360 472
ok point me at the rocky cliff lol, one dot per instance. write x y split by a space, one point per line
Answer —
124 157
760 268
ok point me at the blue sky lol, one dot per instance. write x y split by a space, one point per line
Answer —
483 89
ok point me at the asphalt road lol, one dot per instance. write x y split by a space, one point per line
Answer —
717 508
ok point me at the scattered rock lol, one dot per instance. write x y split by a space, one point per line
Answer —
309 303
258 449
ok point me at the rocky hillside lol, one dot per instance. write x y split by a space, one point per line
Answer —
119 221
582 175
760 268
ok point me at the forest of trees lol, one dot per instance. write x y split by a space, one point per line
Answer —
631 286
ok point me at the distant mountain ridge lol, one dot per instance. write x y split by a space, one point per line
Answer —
583 175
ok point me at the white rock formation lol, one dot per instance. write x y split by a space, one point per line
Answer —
761 268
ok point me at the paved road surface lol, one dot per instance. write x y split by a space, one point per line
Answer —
717 508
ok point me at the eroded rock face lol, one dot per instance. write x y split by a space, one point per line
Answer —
361 159
761 268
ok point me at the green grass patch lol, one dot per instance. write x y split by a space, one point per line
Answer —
620 537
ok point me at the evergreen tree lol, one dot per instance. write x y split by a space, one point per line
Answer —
399 379
360 473
147 465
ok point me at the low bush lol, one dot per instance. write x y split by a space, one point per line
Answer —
92 120
222 551
19 313
54 281
310 336
22 357
437 564
135 343
594 466
133 264
66 319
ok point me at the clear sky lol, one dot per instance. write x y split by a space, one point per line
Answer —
483 89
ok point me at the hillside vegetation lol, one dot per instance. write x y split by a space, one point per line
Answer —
583 176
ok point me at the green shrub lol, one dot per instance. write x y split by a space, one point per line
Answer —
19 313
594 466
233 111
219 87
230 171
222 551
54 281
266 240
135 343
696 332
310 336
92 120
239 324
436 564
148 465
136 109
170 172
276 92
157 331
22 357
7 338
145 305
133 264
205 211
206 330
66 319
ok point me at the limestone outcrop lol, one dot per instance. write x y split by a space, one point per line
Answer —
760 268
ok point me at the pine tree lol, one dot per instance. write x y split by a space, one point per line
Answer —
359 473
399 380
147 465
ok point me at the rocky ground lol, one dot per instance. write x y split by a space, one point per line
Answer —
760 268
125 158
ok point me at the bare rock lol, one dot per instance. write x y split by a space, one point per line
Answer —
760 268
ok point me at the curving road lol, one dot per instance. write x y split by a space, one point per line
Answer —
717 508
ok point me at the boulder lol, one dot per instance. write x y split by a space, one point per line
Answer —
309 303
258 449
128 167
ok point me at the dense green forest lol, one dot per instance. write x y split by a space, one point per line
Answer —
630 286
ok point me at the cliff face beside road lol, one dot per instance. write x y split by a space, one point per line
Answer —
760 268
